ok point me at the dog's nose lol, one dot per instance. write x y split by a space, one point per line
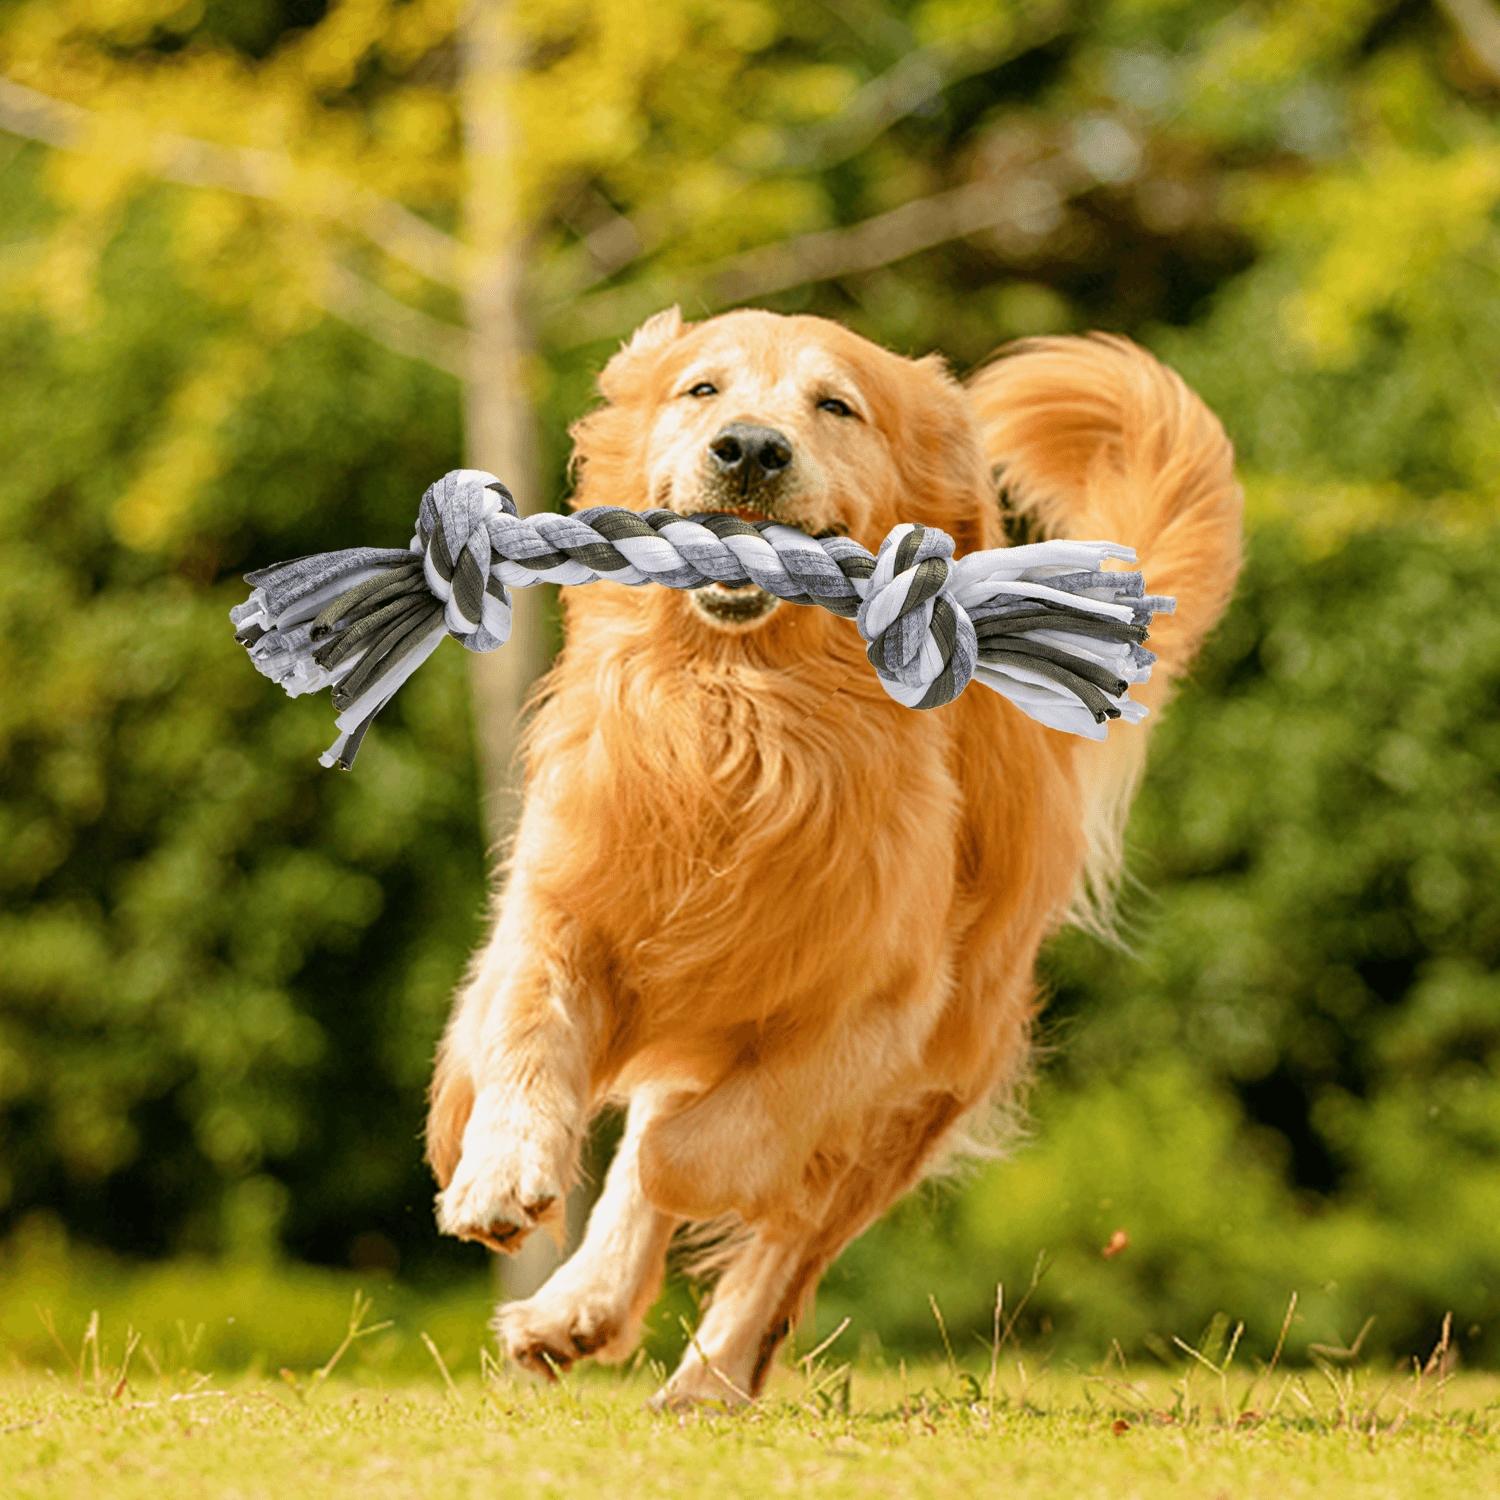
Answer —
749 451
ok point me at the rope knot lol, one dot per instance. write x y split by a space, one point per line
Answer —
922 642
454 541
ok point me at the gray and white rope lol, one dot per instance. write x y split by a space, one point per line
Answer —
1045 624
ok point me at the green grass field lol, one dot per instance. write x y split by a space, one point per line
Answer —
129 1421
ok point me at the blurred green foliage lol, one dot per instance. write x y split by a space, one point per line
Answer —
1293 1082
215 964
222 970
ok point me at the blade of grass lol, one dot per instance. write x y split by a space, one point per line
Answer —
937 1314
438 1360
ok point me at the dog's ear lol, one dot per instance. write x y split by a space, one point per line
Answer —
659 330
607 441
943 460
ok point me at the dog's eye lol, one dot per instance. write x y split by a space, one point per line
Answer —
704 388
837 407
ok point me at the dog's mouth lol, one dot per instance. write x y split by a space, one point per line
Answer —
734 604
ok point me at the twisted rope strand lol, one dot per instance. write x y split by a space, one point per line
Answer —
1042 624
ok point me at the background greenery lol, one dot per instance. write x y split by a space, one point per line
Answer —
222 971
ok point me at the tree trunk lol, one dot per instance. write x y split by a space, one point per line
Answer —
500 433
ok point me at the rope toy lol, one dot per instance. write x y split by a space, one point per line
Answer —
1042 624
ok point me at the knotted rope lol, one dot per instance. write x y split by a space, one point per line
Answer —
1042 624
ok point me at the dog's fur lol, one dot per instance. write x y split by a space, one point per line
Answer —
793 923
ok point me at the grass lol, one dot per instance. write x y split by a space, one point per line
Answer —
231 1316
132 1419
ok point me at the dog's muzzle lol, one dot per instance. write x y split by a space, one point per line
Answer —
733 604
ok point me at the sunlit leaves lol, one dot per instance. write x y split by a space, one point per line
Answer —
186 453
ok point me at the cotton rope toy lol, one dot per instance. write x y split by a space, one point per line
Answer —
1041 624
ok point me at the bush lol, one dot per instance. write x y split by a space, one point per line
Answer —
224 968
1291 1082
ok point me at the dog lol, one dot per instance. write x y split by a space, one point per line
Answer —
791 924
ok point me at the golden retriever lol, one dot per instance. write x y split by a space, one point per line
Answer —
791 923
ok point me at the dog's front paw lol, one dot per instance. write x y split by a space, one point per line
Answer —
498 1210
549 1331
510 1179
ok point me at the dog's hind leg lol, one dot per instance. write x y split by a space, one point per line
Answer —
522 1045
595 1303
761 1294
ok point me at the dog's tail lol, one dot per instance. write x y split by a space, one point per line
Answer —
1093 438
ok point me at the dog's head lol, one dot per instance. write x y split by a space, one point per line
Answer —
791 419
